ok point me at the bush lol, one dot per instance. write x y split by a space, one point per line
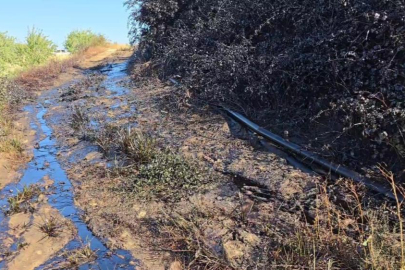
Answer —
81 40
339 62
15 57
8 52
168 177
139 147
38 48
10 93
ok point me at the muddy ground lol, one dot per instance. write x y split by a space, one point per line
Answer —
253 198
248 209
40 228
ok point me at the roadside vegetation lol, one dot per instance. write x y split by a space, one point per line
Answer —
335 225
31 66
16 57
329 73
80 40
148 170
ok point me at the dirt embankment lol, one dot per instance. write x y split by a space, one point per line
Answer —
241 207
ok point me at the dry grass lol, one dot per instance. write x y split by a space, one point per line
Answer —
138 146
51 227
79 120
11 145
354 235
41 77
80 256
23 200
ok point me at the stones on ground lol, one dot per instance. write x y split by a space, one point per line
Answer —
176 266
240 250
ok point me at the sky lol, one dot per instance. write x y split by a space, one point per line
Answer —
56 18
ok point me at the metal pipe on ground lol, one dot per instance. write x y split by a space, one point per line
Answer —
331 167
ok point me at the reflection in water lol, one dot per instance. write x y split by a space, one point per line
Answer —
45 163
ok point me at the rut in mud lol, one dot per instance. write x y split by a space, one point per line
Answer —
46 165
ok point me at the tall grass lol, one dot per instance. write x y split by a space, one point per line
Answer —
80 40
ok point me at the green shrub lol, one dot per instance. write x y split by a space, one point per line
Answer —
8 50
15 57
139 147
38 48
168 177
81 40
8 53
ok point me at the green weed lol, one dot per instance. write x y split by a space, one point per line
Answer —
168 177
138 146
22 201
80 256
51 227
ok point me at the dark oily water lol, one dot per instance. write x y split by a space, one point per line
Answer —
45 163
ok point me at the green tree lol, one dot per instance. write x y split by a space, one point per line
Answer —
82 39
38 48
8 52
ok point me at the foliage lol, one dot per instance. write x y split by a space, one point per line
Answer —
38 48
51 227
136 145
8 52
15 57
22 202
80 40
337 62
167 177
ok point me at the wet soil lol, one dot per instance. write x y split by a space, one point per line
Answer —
246 174
256 195
10 163
23 244
257 198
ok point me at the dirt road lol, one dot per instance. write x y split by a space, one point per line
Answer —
40 226
126 173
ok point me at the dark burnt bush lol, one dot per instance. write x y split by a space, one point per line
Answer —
338 63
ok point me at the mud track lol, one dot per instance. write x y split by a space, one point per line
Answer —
24 244
255 199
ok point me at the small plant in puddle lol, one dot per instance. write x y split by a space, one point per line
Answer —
22 201
79 119
80 256
105 138
14 206
167 177
138 146
51 227
21 245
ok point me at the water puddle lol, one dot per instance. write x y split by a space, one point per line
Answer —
46 164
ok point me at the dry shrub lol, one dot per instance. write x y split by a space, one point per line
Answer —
353 235
138 146
332 70
44 76
182 235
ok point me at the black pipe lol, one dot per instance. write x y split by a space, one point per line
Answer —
333 168
337 169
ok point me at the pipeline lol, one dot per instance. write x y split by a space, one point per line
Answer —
296 149
333 168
